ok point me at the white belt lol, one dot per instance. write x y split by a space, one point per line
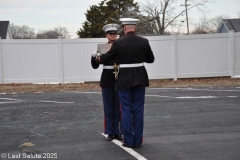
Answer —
108 67
131 65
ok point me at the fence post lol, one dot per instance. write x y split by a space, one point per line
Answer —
60 51
231 53
1 62
175 58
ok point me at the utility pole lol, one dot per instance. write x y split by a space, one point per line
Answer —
186 14
180 25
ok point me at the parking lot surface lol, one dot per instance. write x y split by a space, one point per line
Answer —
200 123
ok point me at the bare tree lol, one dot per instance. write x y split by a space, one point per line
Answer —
53 34
129 10
165 13
145 25
22 32
205 26
49 34
202 27
215 23
63 31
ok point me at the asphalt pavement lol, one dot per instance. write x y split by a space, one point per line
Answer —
200 123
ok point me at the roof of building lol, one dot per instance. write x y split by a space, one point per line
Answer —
232 24
3 29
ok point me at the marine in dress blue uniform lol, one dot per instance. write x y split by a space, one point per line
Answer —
111 106
132 51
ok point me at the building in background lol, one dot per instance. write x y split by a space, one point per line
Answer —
228 25
5 30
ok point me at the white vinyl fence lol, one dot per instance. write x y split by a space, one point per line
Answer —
68 60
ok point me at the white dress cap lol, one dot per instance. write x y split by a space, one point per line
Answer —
132 21
111 28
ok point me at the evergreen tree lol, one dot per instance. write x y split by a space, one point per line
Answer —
117 9
92 27
110 12
120 9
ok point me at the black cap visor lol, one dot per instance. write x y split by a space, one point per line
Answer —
111 31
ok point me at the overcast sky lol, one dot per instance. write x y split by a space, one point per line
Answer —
48 14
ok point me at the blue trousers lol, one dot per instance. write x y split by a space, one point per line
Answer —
132 105
111 106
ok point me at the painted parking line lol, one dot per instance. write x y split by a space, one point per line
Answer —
194 97
159 96
191 97
183 97
129 150
10 100
197 89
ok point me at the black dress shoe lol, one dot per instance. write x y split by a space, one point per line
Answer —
110 137
124 145
138 146
118 136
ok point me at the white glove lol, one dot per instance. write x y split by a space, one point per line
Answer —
95 54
